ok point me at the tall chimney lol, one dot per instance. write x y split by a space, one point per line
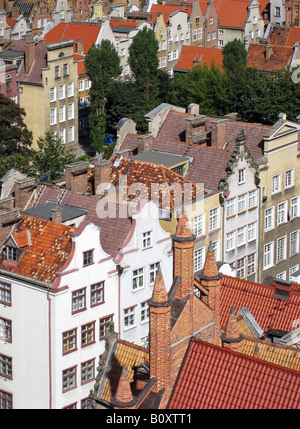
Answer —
7 220
218 133
29 55
144 142
57 215
101 176
23 190
269 49
76 176
79 45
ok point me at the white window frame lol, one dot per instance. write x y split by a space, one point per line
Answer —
268 255
62 92
62 113
289 178
145 312
281 249
71 111
53 116
295 207
242 203
294 242
216 248
252 231
230 241
282 213
70 89
199 225
241 236
194 35
251 264
138 279
147 238
269 219
252 199
129 318
152 272
231 207
241 268
199 258
292 270
62 135
281 276
71 134
214 219
81 85
276 183
52 94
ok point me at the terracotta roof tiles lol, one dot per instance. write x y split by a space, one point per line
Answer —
191 56
230 380
280 57
232 13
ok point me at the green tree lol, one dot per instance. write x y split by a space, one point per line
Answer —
15 138
234 56
102 64
49 161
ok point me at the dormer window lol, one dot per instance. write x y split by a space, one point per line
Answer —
11 253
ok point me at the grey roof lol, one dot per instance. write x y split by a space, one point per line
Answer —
166 159
251 322
156 110
44 211
11 53
123 29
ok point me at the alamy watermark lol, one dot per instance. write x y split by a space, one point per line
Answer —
296 75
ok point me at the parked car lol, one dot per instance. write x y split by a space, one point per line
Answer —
108 140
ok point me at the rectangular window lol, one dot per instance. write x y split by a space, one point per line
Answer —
152 272
97 294
5 400
62 113
66 69
71 111
87 371
211 21
295 210
240 268
78 300
163 62
5 366
277 11
5 293
57 72
230 241
147 239
62 135
163 45
252 199
268 255
129 317
213 35
69 341
11 253
276 183
231 207
252 231
251 264
269 218
71 134
61 92
282 213
88 257
257 33
104 324
281 276
216 248
289 179
241 236
87 334
138 279
5 330
221 42
199 258
208 37
199 33
194 35
213 219
281 249
53 118
81 85
199 225
294 243
70 89
292 270
52 94
144 312
255 20
241 203
69 379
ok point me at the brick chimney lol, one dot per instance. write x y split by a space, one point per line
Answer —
210 278
193 109
56 214
268 53
29 55
195 131
76 176
15 12
79 43
231 337
123 398
218 133
23 191
144 142
8 218
160 334
101 176
183 260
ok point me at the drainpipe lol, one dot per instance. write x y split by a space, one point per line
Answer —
258 234
120 271
50 350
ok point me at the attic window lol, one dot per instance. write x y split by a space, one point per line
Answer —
11 253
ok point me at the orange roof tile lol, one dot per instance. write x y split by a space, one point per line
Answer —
191 56
232 13
293 36
72 31
21 238
281 57
11 22
49 249
167 10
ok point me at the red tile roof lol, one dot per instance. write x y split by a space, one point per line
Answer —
11 22
285 36
113 231
269 311
167 10
232 13
193 55
73 31
293 37
280 58
45 254
123 23
216 378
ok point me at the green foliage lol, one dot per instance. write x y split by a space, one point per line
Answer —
102 64
234 56
49 161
